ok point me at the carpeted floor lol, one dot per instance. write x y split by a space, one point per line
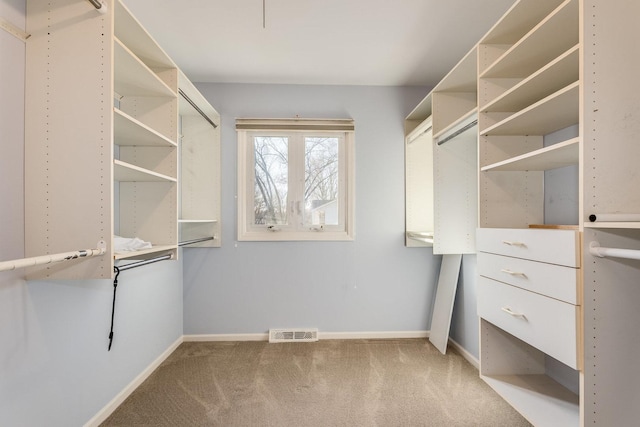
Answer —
381 383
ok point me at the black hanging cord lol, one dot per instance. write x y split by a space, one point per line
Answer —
113 306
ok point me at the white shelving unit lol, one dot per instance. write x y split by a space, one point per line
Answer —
200 183
546 67
528 88
447 194
419 180
101 141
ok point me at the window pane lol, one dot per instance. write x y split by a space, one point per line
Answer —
271 179
321 180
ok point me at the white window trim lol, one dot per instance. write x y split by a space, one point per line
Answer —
246 232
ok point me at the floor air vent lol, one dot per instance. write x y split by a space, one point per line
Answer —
293 335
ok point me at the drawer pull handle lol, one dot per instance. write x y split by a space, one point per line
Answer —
513 273
513 313
518 244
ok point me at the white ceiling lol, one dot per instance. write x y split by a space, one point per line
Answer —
333 42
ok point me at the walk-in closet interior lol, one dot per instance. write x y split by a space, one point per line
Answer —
494 211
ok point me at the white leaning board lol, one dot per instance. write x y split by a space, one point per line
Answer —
445 296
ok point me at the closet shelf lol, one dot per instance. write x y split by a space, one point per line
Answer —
557 111
518 21
561 72
462 77
130 131
134 78
559 407
197 221
143 252
125 172
133 35
553 35
559 155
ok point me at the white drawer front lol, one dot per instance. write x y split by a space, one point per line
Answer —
554 246
555 281
545 323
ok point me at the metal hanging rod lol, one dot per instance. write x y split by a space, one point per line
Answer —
596 250
458 132
193 104
99 5
49 259
191 242
145 262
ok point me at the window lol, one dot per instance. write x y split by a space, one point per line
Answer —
295 179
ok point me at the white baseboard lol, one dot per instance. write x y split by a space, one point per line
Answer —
464 353
372 335
227 337
321 335
104 413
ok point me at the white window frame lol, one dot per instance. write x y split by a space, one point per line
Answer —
295 230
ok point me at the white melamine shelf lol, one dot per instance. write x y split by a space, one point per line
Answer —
130 131
558 31
143 252
556 111
562 71
540 399
518 20
133 77
462 77
126 172
421 112
197 221
137 39
555 156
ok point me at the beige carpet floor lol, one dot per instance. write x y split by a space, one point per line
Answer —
381 383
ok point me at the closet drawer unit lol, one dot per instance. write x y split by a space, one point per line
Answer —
545 323
555 281
560 247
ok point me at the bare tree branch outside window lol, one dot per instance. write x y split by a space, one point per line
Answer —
271 180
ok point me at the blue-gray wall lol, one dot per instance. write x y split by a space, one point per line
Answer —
54 366
373 284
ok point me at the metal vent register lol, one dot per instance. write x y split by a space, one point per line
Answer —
293 335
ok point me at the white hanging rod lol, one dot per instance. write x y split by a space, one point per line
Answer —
49 259
614 217
596 250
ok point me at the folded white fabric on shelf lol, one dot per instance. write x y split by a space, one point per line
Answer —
129 244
